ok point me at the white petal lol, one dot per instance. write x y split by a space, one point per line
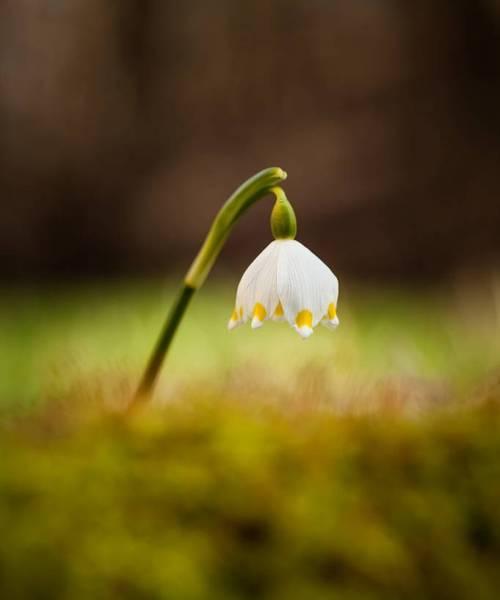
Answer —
235 319
331 323
304 282
304 331
233 323
256 323
259 285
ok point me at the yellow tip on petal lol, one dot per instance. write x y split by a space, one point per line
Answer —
256 323
333 324
234 321
259 312
303 323
304 319
304 331
331 320
332 311
278 312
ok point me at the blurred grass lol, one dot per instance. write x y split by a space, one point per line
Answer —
53 337
269 467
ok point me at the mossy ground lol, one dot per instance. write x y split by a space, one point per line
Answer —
364 466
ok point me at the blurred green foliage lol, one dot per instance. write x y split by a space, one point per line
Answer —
360 464
214 499
55 338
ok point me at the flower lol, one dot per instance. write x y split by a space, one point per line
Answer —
287 282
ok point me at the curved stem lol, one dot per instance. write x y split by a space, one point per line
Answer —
247 194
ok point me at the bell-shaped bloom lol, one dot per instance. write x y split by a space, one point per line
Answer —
287 282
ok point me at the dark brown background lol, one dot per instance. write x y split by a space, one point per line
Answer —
125 123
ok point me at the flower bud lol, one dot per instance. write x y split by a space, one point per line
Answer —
283 221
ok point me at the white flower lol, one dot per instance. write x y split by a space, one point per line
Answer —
287 282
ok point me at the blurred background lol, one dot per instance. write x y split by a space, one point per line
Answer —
125 124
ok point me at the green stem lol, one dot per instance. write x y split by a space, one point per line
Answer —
247 194
160 351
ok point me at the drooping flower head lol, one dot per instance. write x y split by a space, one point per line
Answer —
286 281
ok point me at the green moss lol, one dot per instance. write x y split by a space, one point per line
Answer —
259 477
212 499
